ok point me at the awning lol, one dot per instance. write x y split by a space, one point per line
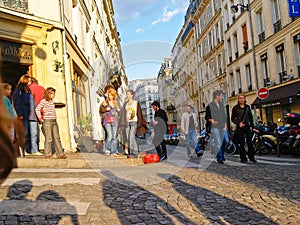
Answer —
286 94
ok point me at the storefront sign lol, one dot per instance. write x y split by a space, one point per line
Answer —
294 8
15 52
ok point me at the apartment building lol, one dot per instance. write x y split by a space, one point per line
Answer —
262 50
209 40
146 91
71 45
184 66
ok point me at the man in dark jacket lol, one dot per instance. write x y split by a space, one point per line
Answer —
241 116
216 116
160 123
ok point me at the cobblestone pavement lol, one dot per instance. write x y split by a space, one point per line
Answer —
175 191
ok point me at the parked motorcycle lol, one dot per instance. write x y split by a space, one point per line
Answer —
292 144
264 139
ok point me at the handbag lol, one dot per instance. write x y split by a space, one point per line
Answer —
110 119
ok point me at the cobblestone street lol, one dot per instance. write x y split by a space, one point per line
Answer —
175 191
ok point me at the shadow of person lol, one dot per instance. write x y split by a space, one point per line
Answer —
55 208
217 209
133 204
49 207
17 203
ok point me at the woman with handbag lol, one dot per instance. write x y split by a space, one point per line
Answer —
241 116
110 109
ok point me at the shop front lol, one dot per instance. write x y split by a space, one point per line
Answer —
281 100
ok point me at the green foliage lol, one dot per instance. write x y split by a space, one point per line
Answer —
85 122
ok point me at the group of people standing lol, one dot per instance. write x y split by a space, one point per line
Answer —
217 126
32 104
127 119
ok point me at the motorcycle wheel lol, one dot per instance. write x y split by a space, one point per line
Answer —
264 150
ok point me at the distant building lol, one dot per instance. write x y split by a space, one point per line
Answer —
166 90
146 91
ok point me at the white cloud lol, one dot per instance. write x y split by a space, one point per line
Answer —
139 30
171 10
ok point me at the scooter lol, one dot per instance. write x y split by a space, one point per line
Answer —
292 144
264 139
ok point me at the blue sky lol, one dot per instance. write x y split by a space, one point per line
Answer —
148 30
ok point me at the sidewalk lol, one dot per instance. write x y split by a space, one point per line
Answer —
78 161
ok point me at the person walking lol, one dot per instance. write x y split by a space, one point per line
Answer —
242 117
109 109
24 104
216 117
131 122
160 123
46 114
189 126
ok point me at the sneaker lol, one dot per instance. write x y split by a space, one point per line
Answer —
48 156
199 154
243 161
129 156
220 161
26 153
37 153
114 155
107 153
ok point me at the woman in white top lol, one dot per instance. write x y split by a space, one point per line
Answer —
131 122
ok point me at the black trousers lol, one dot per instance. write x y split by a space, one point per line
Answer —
161 149
245 132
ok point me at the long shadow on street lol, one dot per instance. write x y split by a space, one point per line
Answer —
275 178
133 204
216 208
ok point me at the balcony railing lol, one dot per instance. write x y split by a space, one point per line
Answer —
282 76
277 26
19 5
266 81
261 37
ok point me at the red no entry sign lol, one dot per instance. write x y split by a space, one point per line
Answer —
263 93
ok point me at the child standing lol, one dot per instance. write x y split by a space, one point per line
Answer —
9 108
46 114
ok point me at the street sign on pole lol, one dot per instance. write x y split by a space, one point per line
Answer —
263 93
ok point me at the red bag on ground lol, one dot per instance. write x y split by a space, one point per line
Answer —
151 158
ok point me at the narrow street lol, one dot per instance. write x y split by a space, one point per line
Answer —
175 191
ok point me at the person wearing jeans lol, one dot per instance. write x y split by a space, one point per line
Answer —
24 104
189 126
109 109
131 122
216 116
